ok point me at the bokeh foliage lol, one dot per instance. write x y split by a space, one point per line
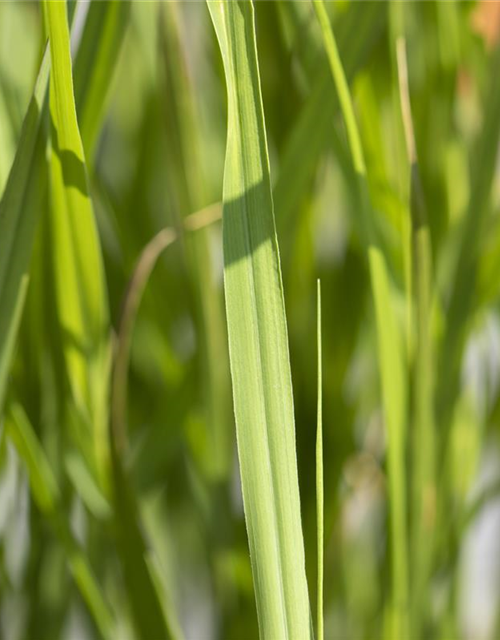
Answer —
121 510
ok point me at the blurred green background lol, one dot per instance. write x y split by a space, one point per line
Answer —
151 105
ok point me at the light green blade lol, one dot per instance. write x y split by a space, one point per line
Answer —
320 500
18 212
76 259
258 342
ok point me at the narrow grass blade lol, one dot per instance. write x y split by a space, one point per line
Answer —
342 87
95 62
81 297
320 506
390 349
19 207
46 494
258 342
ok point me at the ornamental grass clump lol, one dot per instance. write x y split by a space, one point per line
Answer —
249 321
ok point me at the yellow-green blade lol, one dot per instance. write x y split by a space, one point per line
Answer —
258 342
76 258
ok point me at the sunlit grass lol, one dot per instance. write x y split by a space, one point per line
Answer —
196 441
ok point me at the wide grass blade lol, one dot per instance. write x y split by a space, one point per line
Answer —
258 342
81 298
20 204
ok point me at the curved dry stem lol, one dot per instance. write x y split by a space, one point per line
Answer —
130 306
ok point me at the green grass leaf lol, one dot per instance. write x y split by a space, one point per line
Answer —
81 297
258 342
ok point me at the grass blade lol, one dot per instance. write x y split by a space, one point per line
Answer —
81 297
95 62
320 507
313 128
258 341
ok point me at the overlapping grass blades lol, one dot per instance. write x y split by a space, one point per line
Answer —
142 591
390 348
48 499
19 208
313 128
81 302
258 342
461 300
